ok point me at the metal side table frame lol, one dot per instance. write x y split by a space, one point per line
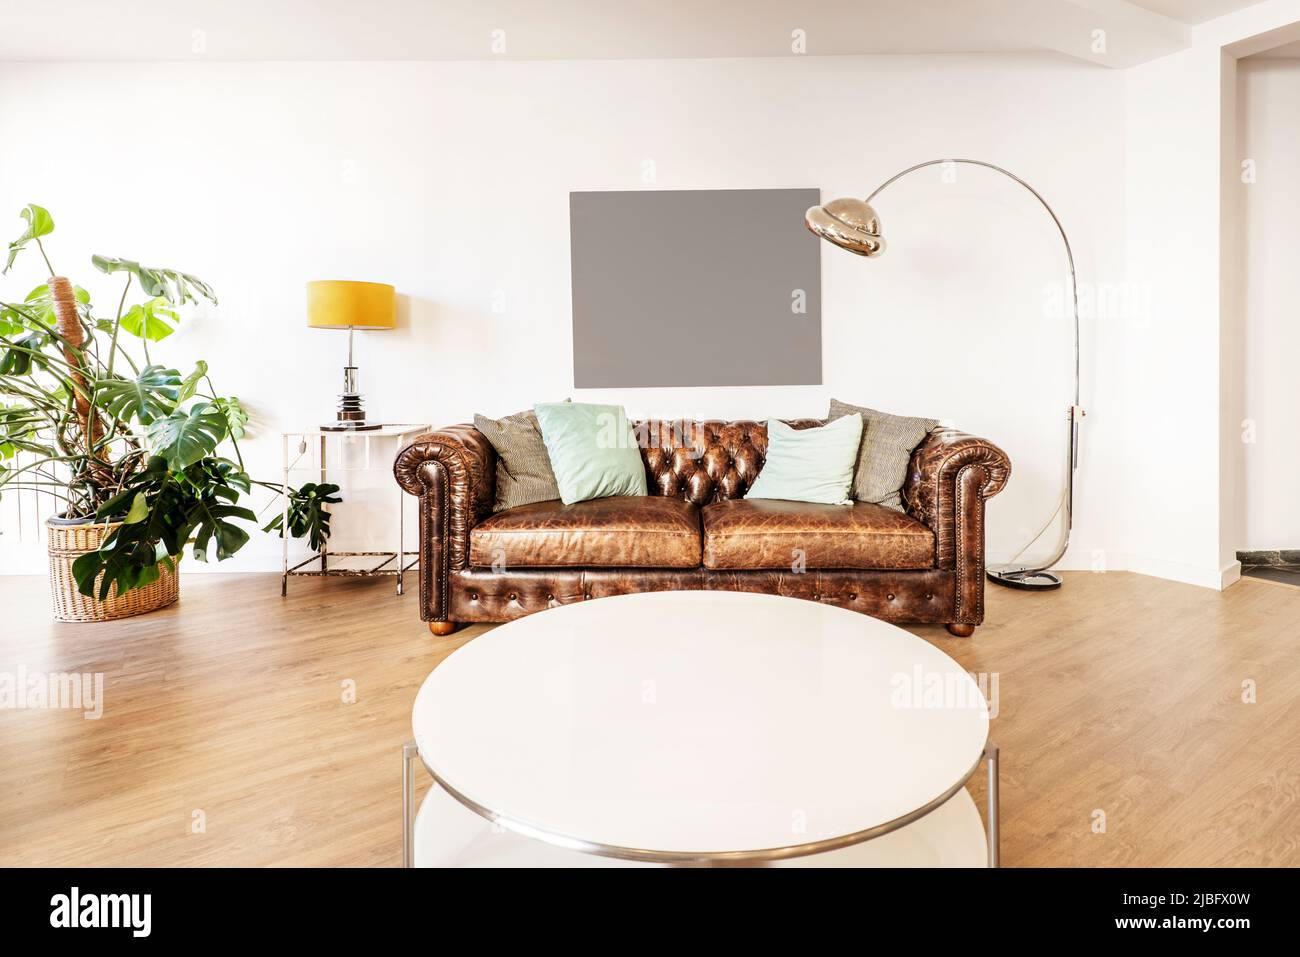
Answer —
389 562
411 751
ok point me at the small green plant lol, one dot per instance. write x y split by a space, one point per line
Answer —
115 436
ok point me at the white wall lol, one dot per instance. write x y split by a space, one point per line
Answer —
1269 134
451 181
1170 502
1190 380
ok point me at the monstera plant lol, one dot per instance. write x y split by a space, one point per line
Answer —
112 436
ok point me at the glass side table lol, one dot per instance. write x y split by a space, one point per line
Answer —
326 563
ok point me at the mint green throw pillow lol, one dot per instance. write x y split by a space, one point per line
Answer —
592 450
810 465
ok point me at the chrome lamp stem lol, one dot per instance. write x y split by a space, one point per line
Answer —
1012 574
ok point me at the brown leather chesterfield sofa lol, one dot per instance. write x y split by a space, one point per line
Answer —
695 530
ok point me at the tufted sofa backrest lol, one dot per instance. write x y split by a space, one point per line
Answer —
707 461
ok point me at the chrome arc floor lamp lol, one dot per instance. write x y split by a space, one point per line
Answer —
852 224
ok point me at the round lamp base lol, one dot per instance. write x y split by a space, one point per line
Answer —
1028 579
343 426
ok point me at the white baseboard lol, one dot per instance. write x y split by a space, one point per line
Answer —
1100 560
1216 578
1230 574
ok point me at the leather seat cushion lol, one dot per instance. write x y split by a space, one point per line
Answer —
630 531
766 533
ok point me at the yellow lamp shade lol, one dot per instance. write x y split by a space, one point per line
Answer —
343 304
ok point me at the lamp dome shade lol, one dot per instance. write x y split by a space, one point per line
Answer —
343 304
848 223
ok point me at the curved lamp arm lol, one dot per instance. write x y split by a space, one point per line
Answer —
1012 574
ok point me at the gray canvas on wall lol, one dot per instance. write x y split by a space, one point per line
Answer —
695 288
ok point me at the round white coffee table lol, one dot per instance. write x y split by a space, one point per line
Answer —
702 727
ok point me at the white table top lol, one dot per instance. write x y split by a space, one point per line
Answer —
706 722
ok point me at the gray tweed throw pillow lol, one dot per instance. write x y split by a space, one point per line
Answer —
887 445
524 471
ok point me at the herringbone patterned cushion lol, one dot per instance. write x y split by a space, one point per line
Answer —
524 473
887 445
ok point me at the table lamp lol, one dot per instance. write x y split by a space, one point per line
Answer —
342 304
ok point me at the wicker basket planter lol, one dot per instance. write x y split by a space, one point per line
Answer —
65 543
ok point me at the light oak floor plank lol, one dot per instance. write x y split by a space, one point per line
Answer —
1118 695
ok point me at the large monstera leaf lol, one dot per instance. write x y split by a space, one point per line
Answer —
150 395
185 437
171 284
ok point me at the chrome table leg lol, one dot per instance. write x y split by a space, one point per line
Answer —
994 824
409 751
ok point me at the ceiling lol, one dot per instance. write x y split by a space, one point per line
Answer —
1192 12
1288 51
187 30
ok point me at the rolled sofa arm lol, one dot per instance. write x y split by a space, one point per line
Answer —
948 478
938 478
453 470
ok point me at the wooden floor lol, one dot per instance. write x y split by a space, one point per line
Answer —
1117 694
